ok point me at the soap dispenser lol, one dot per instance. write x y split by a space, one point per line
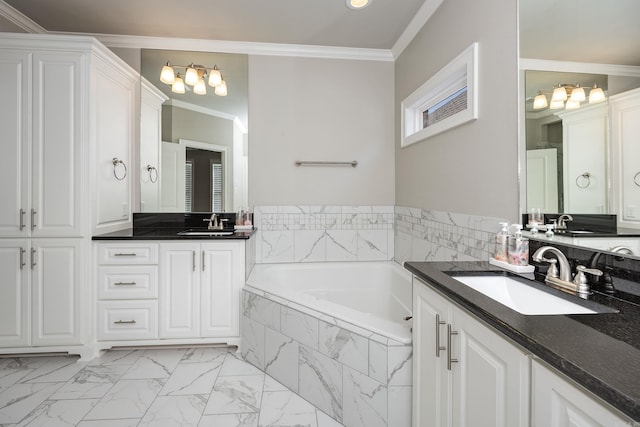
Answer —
501 252
518 247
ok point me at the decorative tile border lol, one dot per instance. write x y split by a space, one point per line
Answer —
426 235
324 233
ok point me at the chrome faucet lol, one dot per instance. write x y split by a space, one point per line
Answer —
565 268
213 222
562 221
621 250
562 279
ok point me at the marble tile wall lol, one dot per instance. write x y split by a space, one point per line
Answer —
324 233
357 377
427 235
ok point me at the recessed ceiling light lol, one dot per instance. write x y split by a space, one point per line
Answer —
357 4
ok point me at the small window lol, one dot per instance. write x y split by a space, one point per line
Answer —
446 100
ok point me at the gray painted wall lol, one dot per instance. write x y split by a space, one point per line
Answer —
8 26
320 109
472 169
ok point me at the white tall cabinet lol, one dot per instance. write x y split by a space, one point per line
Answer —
151 100
625 128
68 109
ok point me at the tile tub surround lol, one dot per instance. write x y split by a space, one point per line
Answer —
428 235
357 377
201 386
324 233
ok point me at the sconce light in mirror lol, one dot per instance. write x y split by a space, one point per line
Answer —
195 76
568 96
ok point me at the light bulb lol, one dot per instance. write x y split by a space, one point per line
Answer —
221 89
540 101
577 94
596 95
559 94
191 78
215 77
178 85
357 4
167 75
556 104
200 88
572 105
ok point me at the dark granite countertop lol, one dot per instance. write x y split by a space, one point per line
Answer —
167 233
599 351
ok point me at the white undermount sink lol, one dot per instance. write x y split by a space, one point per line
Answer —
521 297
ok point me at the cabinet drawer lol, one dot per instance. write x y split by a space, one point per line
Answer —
127 320
128 282
128 254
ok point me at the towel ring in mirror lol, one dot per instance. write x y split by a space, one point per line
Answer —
585 181
116 161
635 179
153 174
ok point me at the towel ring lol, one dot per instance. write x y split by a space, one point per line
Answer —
586 176
635 179
116 161
152 172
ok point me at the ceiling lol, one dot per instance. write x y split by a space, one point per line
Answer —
306 22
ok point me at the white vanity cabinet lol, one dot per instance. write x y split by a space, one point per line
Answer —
169 292
200 289
557 402
40 292
464 373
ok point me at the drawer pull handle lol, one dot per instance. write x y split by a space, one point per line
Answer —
450 360
121 322
33 258
125 254
22 212
22 263
124 284
439 323
33 219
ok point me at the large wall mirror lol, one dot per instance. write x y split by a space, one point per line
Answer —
193 137
567 151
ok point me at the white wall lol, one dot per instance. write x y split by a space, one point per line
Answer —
320 109
472 169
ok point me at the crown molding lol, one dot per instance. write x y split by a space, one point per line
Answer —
579 67
199 109
250 48
17 18
425 13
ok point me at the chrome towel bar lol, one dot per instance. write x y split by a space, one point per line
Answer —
353 163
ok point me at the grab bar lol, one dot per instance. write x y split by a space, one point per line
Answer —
353 163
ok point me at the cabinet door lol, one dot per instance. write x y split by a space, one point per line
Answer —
432 383
14 296
179 310
221 280
14 143
58 101
56 280
490 377
557 403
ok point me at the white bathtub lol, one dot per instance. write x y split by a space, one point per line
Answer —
374 296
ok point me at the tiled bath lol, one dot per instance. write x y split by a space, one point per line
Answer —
355 376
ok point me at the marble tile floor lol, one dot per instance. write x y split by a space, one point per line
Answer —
201 386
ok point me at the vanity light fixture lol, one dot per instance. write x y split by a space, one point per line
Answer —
194 75
574 95
358 4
